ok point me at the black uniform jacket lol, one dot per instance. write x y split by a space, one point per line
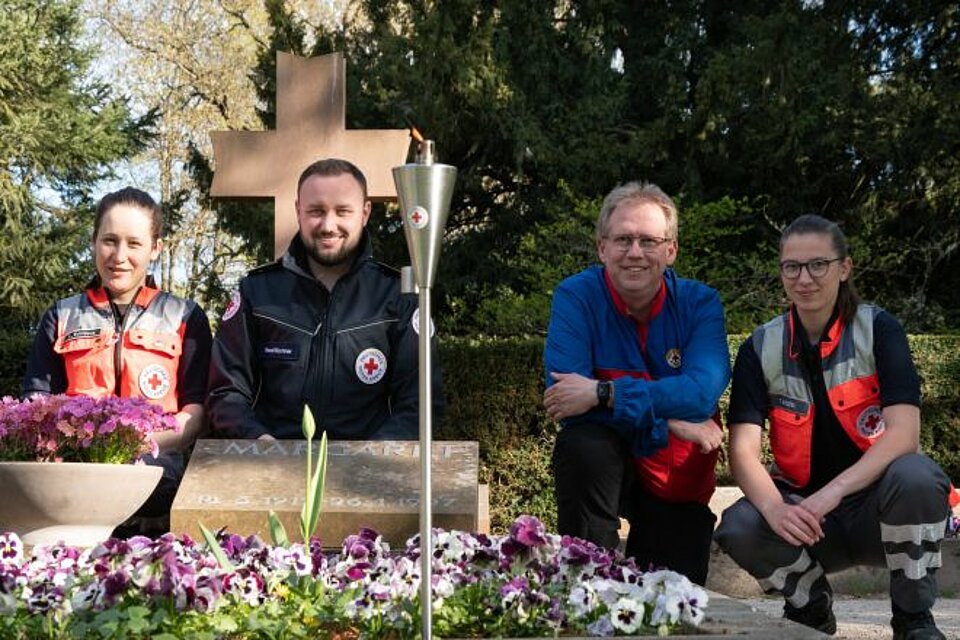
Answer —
350 353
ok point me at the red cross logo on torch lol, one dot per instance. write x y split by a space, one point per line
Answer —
418 217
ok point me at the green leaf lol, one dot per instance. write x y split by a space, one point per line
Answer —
313 503
216 549
277 531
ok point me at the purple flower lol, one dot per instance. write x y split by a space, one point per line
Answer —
115 583
43 598
528 531
11 549
245 585
204 595
517 587
364 546
55 428
575 551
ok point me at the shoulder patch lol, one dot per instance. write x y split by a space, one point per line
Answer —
415 322
870 422
232 307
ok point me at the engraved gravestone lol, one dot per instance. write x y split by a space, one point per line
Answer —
375 484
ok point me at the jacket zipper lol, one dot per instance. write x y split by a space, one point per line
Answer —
320 337
119 320
119 323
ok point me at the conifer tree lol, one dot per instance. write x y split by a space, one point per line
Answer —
60 130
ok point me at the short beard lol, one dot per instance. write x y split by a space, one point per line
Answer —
344 256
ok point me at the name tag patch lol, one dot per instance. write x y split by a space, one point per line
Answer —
79 334
280 351
799 407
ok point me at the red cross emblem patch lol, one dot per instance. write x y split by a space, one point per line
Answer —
154 382
371 365
418 217
870 423
232 307
415 321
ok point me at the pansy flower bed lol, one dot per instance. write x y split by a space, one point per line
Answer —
526 583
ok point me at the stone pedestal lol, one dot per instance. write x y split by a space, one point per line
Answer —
374 484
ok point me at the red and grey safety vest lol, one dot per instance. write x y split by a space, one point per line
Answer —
850 376
138 359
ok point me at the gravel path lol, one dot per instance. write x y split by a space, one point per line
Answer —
869 618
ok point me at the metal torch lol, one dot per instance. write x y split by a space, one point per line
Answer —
424 189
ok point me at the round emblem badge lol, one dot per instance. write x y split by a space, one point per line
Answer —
418 217
232 307
673 358
870 424
371 365
154 382
415 321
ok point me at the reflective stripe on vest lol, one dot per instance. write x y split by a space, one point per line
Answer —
149 353
850 376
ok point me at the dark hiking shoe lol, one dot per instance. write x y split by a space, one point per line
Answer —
816 615
914 626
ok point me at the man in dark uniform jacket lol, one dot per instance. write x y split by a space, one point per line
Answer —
325 325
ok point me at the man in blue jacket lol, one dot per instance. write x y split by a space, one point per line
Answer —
636 360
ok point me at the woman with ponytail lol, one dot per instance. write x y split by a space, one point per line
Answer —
834 381
125 337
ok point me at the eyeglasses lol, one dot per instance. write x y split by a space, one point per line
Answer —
817 268
624 243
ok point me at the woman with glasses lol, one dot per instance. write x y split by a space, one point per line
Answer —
834 380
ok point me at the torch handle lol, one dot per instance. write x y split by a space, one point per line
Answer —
426 480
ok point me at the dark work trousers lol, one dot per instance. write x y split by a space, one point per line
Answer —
594 483
160 501
897 522
592 471
674 535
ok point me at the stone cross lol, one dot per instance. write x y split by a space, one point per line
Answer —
311 125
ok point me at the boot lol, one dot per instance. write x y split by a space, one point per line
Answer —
914 626
816 615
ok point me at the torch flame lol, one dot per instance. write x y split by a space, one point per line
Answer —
416 134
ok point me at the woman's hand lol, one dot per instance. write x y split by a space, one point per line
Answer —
823 501
794 523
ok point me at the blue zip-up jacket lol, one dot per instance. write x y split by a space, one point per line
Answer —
687 358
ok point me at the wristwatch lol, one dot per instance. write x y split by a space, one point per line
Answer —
603 392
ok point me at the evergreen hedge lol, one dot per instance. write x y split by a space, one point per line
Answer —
493 390
14 347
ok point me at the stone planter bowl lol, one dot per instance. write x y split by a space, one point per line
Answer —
77 503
